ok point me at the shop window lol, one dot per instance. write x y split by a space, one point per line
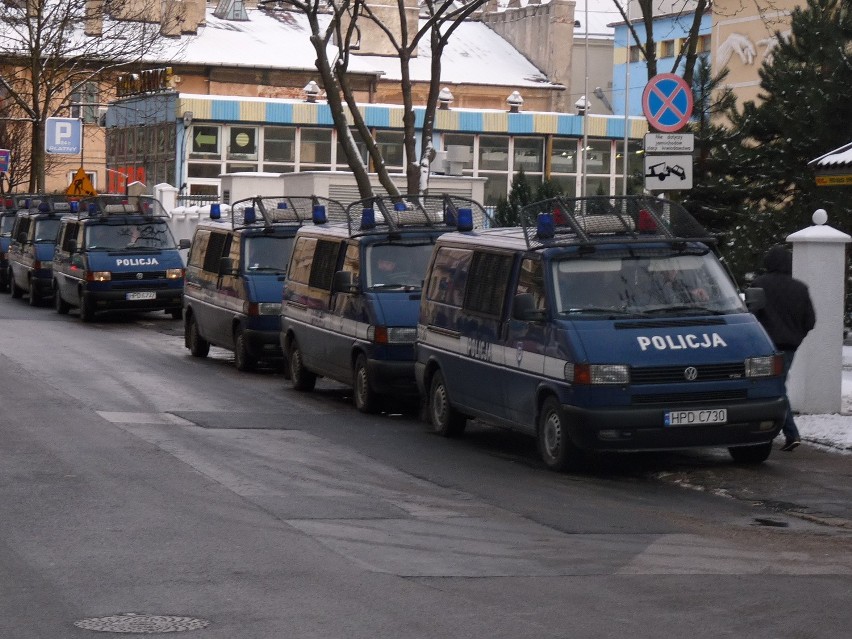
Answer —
202 170
279 144
342 161
563 155
667 48
493 153
242 143
634 54
496 187
528 155
598 156
315 146
462 140
390 145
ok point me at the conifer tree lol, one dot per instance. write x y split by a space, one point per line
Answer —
508 212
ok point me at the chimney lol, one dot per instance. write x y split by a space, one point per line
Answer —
195 15
94 18
173 13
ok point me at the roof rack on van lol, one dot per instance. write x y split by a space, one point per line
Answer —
285 210
609 219
32 202
411 211
104 206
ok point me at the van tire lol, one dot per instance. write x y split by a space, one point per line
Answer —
557 450
242 358
62 307
365 398
198 346
176 313
445 419
17 291
301 378
751 454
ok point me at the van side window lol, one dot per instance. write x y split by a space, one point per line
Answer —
352 261
531 281
198 249
300 265
324 264
491 272
448 278
217 246
69 235
23 226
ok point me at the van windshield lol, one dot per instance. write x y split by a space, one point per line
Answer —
397 265
268 253
134 236
8 221
45 230
642 285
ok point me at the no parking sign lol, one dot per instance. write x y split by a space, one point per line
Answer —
667 102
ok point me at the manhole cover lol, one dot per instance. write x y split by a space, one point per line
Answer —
142 624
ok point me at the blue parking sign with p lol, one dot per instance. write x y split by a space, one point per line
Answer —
62 136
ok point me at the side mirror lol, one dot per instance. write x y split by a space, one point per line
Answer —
226 266
344 282
755 299
184 244
523 308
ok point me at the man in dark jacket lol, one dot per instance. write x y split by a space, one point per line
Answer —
788 316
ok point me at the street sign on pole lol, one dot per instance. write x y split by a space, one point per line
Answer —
667 102
669 142
668 172
63 136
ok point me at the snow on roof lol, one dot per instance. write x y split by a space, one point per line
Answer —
475 54
837 158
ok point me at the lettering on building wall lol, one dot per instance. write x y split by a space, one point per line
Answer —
147 81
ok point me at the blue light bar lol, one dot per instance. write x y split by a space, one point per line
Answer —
318 214
215 211
465 221
544 226
368 219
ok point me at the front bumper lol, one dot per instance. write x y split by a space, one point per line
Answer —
165 299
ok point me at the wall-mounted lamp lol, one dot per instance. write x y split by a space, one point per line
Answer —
515 102
312 91
582 105
187 118
445 98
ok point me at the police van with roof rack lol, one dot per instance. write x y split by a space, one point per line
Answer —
9 207
30 253
235 275
117 253
602 324
352 293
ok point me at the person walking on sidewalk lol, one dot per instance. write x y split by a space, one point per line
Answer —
788 317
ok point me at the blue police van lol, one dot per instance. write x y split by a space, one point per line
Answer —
31 246
8 211
352 294
235 276
601 324
117 253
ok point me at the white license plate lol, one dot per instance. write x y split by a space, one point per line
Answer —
141 295
694 417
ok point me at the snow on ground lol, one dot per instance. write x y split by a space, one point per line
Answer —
833 431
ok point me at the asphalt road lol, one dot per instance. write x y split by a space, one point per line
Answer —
139 485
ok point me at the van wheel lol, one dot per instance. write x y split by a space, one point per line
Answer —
751 454
35 300
87 313
242 358
301 378
62 307
557 450
17 291
445 419
198 346
366 399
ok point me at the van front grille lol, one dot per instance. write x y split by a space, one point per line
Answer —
133 275
670 374
700 397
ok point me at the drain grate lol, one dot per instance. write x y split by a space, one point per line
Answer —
141 624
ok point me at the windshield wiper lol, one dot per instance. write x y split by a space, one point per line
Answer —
405 287
599 309
681 308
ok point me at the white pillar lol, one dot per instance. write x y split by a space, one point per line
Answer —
819 260
166 194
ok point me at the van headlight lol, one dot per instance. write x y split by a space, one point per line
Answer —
594 374
174 273
769 366
98 276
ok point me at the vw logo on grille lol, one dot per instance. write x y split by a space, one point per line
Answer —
139 276
690 373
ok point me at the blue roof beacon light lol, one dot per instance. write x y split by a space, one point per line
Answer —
465 222
399 206
282 205
249 216
368 219
215 211
93 208
544 226
318 215
43 207
74 206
